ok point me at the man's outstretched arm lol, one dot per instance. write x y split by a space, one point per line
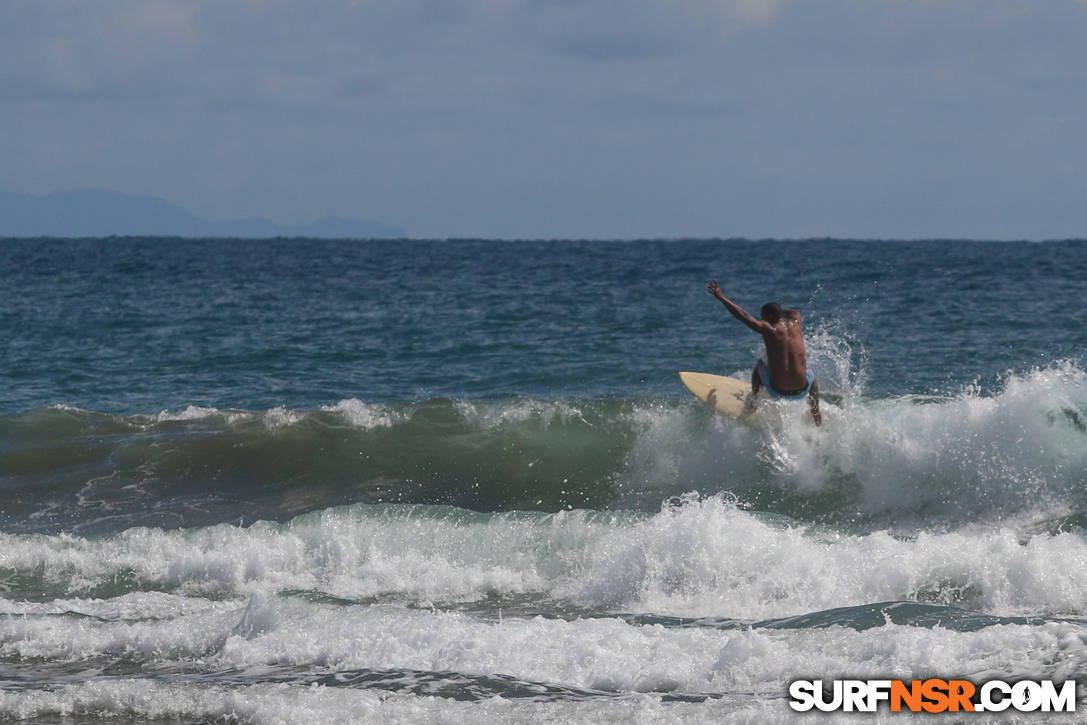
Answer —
759 326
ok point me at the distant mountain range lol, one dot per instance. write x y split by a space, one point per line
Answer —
97 213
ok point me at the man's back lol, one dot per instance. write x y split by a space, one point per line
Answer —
785 353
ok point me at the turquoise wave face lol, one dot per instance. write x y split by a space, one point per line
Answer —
906 462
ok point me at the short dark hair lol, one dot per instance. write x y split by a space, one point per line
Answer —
771 312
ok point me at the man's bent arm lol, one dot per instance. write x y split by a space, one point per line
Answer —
759 326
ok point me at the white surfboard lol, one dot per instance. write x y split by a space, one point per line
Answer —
725 395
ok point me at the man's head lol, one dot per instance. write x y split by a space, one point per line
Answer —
771 312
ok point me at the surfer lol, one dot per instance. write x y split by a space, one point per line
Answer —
785 374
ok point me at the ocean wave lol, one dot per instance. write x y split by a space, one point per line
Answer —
305 704
701 610
695 558
303 644
1016 453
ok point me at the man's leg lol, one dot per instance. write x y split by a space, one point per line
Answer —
756 384
813 400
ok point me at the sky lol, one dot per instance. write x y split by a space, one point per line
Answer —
563 118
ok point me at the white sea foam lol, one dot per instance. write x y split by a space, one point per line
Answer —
612 655
186 636
280 704
68 408
366 415
711 558
198 412
282 417
1013 453
603 655
192 412
702 558
302 705
493 415
130 606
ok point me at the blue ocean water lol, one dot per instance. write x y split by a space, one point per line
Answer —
131 326
337 481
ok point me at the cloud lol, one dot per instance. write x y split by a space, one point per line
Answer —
56 48
154 22
736 15
608 29
548 117
288 50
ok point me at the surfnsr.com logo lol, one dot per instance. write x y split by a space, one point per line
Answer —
932 695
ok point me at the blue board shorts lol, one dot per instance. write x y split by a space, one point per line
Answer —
764 373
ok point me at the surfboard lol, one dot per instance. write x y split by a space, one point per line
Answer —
725 395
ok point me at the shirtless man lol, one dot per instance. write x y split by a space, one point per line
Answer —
787 374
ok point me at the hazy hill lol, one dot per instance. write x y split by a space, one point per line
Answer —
96 213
